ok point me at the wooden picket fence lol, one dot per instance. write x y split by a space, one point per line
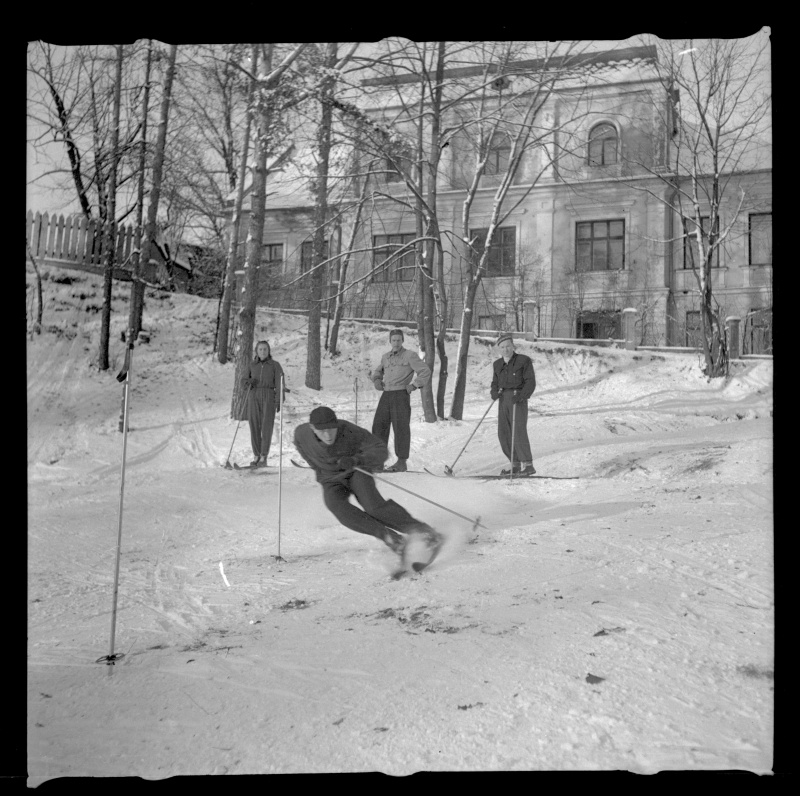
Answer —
75 240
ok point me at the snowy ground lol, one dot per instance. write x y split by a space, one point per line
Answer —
623 620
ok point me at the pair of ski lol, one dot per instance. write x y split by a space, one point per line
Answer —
408 566
493 477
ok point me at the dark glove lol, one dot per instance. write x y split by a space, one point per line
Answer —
518 399
379 385
253 382
495 395
348 462
410 388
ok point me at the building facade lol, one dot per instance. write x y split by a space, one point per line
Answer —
587 224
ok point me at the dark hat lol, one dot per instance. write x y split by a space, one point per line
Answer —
323 417
504 337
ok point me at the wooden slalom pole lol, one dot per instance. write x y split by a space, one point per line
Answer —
280 468
123 376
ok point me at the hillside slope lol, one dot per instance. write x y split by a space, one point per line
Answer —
619 620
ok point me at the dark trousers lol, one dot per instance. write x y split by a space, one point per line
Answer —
522 447
377 514
394 411
261 416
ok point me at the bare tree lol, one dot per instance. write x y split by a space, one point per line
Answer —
519 119
136 303
716 111
111 214
233 249
319 189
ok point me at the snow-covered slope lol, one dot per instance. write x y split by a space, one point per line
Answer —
619 620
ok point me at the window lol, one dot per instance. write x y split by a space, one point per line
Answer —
757 334
502 253
694 329
499 154
401 268
599 325
690 252
307 255
599 245
761 239
393 173
603 145
271 263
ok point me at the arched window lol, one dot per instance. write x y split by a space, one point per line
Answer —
603 145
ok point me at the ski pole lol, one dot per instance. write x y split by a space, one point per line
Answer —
421 497
513 429
449 470
280 470
123 376
227 464
355 390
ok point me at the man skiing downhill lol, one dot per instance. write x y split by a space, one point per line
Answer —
513 382
333 448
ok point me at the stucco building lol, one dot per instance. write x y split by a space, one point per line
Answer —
590 230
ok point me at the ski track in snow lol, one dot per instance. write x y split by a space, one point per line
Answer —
623 620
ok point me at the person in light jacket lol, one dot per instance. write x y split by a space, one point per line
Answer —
263 378
400 373
513 383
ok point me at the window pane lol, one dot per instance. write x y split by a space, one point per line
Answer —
609 151
615 256
584 256
584 230
761 238
616 229
599 255
595 153
599 229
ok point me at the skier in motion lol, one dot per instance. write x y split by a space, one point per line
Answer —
334 448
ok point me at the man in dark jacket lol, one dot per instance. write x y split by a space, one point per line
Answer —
513 383
334 448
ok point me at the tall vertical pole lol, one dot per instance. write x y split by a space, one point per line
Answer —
513 430
123 376
280 468
355 390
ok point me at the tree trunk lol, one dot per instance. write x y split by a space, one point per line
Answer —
320 191
442 313
110 225
333 342
459 389
434 277
37 325
233 250
136 304
255 239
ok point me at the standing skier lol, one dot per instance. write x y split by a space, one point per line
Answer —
334 448
513 383
263 377
395 378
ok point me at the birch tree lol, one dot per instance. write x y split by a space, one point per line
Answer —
319 189
236 222
111 215
150 230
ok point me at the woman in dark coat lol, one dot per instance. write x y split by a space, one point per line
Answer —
263 377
